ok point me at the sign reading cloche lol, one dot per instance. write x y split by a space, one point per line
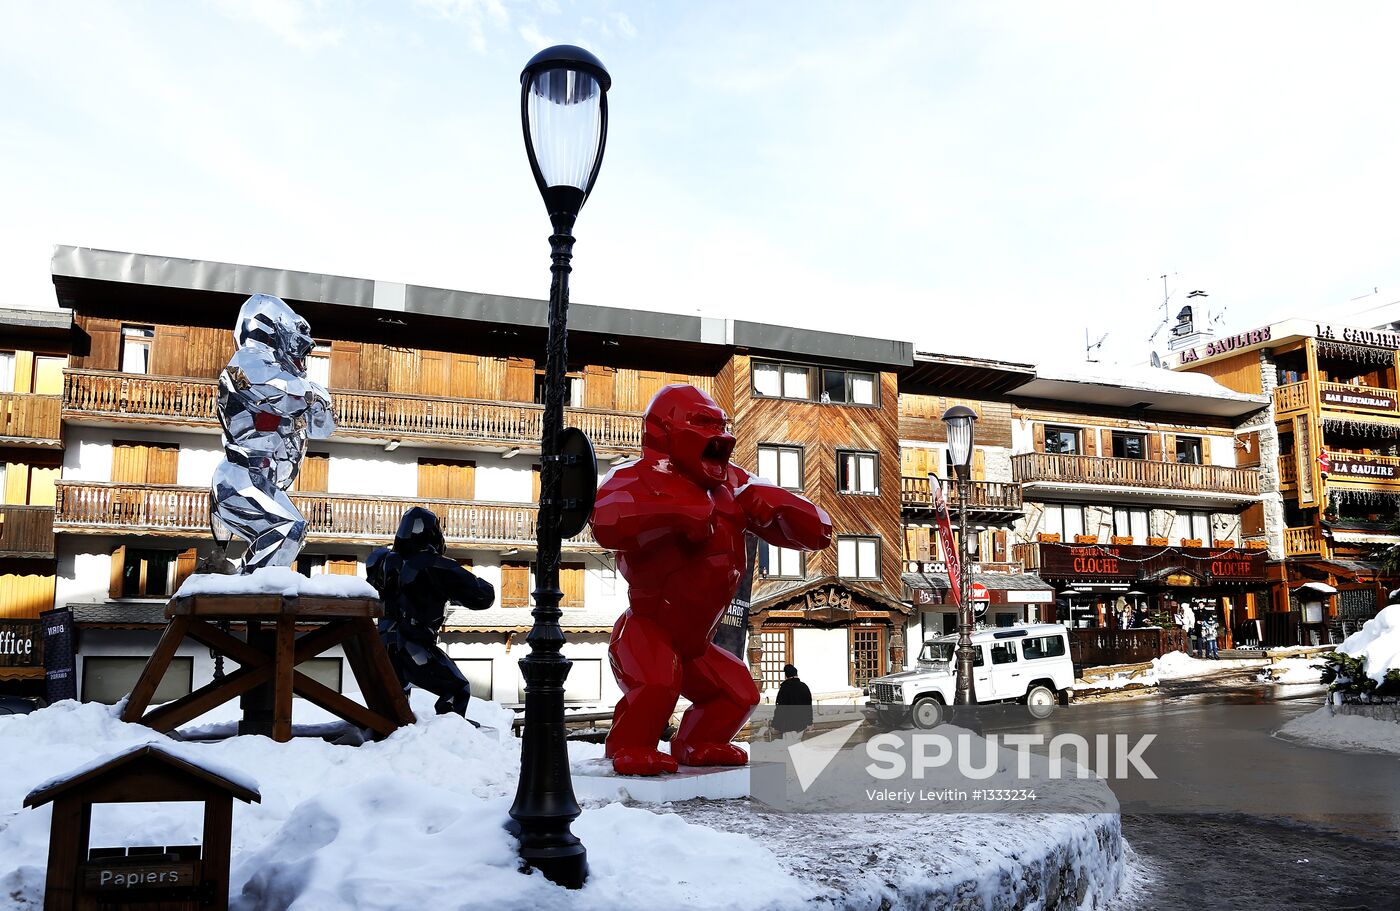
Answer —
1355 466
1133 562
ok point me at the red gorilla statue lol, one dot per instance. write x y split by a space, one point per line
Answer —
676 518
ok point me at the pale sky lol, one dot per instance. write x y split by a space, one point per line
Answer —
978 177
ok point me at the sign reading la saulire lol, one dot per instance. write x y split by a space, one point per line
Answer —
1129 562
1344 465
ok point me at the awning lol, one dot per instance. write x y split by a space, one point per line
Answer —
1364 537
1005 588
1321 588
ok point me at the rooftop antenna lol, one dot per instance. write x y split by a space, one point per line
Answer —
1166 318
1092 348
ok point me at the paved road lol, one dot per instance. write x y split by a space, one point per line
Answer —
1299 856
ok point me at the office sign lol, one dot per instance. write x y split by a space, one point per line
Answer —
21 643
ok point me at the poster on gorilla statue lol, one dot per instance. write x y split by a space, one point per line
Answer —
732 632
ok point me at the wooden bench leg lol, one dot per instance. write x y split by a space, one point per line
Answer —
151 674
375 674
285 663
215 693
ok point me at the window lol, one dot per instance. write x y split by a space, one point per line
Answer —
147 573
858 472
318 365
1062 520
7 371
780 562
858 557
584 684
110 679
479 674
325 671
136 348
1004 618
1043 647
782 381
310 565
848 387
573 396
775 651
1189 524
1188 450
1004 653
1061 440
781 465
1130 522
48 375
1129 446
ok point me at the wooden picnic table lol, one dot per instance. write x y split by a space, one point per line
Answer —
268 657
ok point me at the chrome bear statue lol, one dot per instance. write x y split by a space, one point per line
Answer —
268 409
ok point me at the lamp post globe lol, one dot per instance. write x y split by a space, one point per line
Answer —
959 420
564 116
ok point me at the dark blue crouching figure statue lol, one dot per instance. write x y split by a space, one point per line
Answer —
416 582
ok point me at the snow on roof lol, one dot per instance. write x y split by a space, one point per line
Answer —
1147 379
199 760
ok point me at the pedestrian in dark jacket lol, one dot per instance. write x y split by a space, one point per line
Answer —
794 704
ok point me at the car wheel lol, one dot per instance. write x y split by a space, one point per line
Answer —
927 712
1041 700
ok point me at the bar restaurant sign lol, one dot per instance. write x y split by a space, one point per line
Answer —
1357 398
1131 562
1344 465
21 643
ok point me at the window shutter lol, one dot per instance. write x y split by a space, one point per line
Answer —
462 481
571 584
42 487
1252 520
466 378
315 473
114 588
184 565
598 387
1154 447
999 538
1039 437
1169 449
1106 443
342 566
345 365
535 483
104 344
168 351
431 480
128 463
979 464
162 463
520 380
1205 450
515 585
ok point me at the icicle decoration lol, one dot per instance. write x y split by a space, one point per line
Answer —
1360 428
1356 354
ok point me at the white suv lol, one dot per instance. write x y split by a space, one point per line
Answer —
1029 664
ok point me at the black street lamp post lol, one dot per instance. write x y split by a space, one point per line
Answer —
959 420
564 113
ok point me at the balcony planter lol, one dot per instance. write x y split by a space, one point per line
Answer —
1086 539
1257 544
1048 538
1191 542
1223 542
1122 540
1158 542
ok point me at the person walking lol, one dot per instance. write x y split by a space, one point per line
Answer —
793 713
1210 646
1187 619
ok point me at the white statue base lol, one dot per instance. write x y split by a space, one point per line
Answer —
595 779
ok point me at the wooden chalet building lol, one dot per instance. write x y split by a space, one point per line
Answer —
1329 450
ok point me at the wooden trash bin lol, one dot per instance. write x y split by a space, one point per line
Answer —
175 878
268 657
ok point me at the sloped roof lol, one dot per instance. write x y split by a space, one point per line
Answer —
242 788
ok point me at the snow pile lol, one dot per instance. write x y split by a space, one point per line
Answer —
277 580
1118 680
1148 379
413 821
1181 666
1292 671
1336 728
1377 643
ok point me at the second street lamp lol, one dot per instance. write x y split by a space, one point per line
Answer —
959 420
564 114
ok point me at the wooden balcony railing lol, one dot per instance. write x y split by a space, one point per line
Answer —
1287 470
373 414
89 506
26 531
984 495
1292 396
1303 541
26 416
1092 470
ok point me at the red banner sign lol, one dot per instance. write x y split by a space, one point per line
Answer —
945 535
